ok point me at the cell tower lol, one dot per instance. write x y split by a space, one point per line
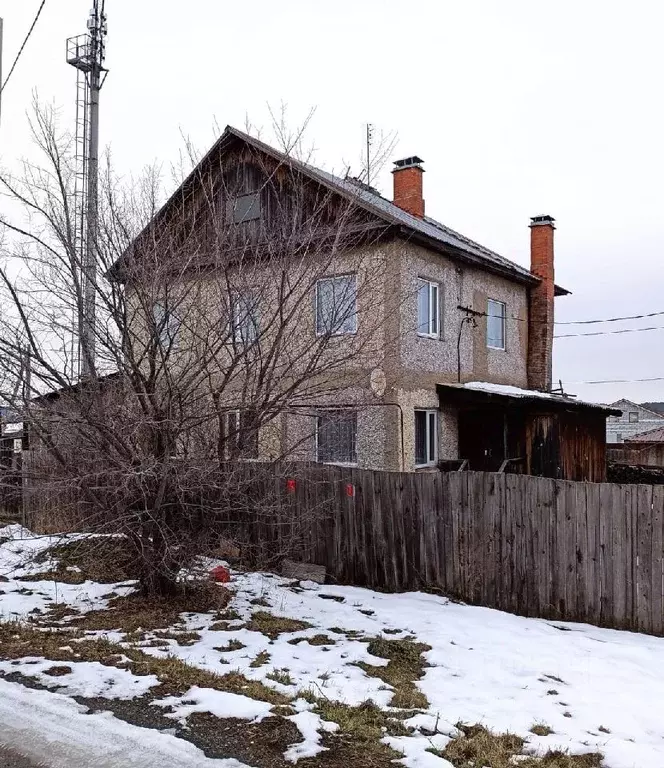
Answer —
86 54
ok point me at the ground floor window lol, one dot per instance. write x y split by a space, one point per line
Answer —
239 434
426 438
336 437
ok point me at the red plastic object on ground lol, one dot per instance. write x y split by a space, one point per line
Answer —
220 574
290 485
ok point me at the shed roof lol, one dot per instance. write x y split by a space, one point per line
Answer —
485 391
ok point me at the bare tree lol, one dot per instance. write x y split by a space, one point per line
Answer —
227 320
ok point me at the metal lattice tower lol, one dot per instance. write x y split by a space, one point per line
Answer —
86 54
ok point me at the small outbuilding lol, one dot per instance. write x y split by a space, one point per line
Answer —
507 429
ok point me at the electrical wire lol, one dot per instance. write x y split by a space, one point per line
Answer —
610 333
23 44
617 381
569 322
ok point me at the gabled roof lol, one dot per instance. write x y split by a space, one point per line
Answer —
640 407
428 231
651 436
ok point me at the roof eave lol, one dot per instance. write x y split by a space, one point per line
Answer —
496 397
457 253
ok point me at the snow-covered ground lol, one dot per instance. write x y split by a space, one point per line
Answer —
596 689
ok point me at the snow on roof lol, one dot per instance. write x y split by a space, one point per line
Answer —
508 391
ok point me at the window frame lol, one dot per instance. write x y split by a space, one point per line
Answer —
631 420
167 325
432 457
254 206
317 435
239 321
329 332
423 282
503 317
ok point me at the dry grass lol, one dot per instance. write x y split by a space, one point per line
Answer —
62 575
175 676
280 676
231 645
541 729
273 626
181 638
320 640
105 559
59 670
135 613
480 747
405 666
261 659
361 729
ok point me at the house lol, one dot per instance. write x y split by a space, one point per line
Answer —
456 344
633 419
645 449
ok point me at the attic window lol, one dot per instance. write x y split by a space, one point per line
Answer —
244 208
633 417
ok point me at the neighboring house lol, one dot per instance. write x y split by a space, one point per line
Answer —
465 368
634 419
645 449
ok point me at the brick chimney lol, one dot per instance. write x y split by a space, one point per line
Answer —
540 314
408 185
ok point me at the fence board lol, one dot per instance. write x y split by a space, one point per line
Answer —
657 576
644 556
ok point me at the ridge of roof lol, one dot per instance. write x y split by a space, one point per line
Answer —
386 209
432 231
638 405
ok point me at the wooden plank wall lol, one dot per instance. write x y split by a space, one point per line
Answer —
589 552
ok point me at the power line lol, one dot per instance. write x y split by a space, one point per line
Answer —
610 319
23 44
618 381
570 322
610 333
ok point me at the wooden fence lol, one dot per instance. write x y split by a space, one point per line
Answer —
534 546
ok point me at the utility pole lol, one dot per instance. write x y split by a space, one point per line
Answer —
86 54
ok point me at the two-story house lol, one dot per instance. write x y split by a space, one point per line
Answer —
450 347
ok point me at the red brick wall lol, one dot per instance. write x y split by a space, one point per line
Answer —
540 316
408 190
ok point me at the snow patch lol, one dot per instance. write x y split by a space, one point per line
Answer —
221 704
310 725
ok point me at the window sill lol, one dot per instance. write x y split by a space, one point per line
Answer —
321 334
426 467
338 463
435 336
496 349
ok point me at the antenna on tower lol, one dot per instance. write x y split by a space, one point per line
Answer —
86 54
369 139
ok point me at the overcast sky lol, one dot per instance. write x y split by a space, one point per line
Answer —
518 107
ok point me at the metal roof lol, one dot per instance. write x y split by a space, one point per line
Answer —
651 436
432 232
372 201
488 391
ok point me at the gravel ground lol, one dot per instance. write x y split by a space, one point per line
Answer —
10 759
